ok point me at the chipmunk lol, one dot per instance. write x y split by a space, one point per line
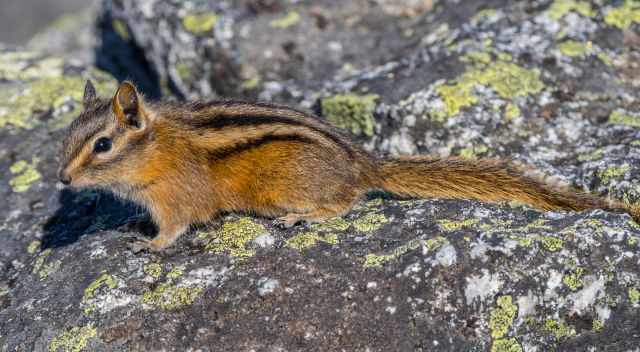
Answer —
188 162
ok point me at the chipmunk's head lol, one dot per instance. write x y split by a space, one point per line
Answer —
100 147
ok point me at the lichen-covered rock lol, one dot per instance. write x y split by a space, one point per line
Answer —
235 48
551 83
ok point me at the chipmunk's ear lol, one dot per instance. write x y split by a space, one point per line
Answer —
89 94
127 106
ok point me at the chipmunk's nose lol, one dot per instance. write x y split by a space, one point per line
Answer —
64 177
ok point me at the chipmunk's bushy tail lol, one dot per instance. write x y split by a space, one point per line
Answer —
490 180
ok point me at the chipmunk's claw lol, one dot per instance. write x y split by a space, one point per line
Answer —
287 221
143 245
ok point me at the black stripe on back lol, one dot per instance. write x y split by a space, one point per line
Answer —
223 121
226 152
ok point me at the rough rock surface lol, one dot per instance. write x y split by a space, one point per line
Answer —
210 48
554 84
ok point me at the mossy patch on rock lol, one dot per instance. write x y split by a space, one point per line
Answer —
351 112
308 239
559 8
104 280
574 48
502 316
333 224
574 280
451 225
377 260
634 295
199 23
507 79
290 19
558 329
121 29
551 243
369 222
167 296
506 345
50 91
613 172
618 117
624 15
24 175
73 340
153 269
234 237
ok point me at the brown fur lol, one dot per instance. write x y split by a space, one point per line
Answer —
187 163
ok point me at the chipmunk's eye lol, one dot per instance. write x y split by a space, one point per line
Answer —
102 145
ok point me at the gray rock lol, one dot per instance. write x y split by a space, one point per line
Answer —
235 48
550 87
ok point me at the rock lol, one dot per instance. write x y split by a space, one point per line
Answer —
235 48
552 84
71 36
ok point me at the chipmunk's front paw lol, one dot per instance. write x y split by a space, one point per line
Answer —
287 221
141 245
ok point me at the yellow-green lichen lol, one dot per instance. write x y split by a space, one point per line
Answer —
613 172
597 325
59 96
435 243
251 83
25 65
574 280
634 295
33 246
43 269
574 48
523 241
593 155
370 222
450 225
176 272
477 56
333 224
618 117
234 237
37 265
153 269
506 345
168 296
551 243
105 280
502 316
199 23
377 260
559 8
351 112
623 16
25 174
632 241
290 19
473 151
121 29
73 340
308 239
511 111
558 329
505 78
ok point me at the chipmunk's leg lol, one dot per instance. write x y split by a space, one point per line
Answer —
323 213
168 233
